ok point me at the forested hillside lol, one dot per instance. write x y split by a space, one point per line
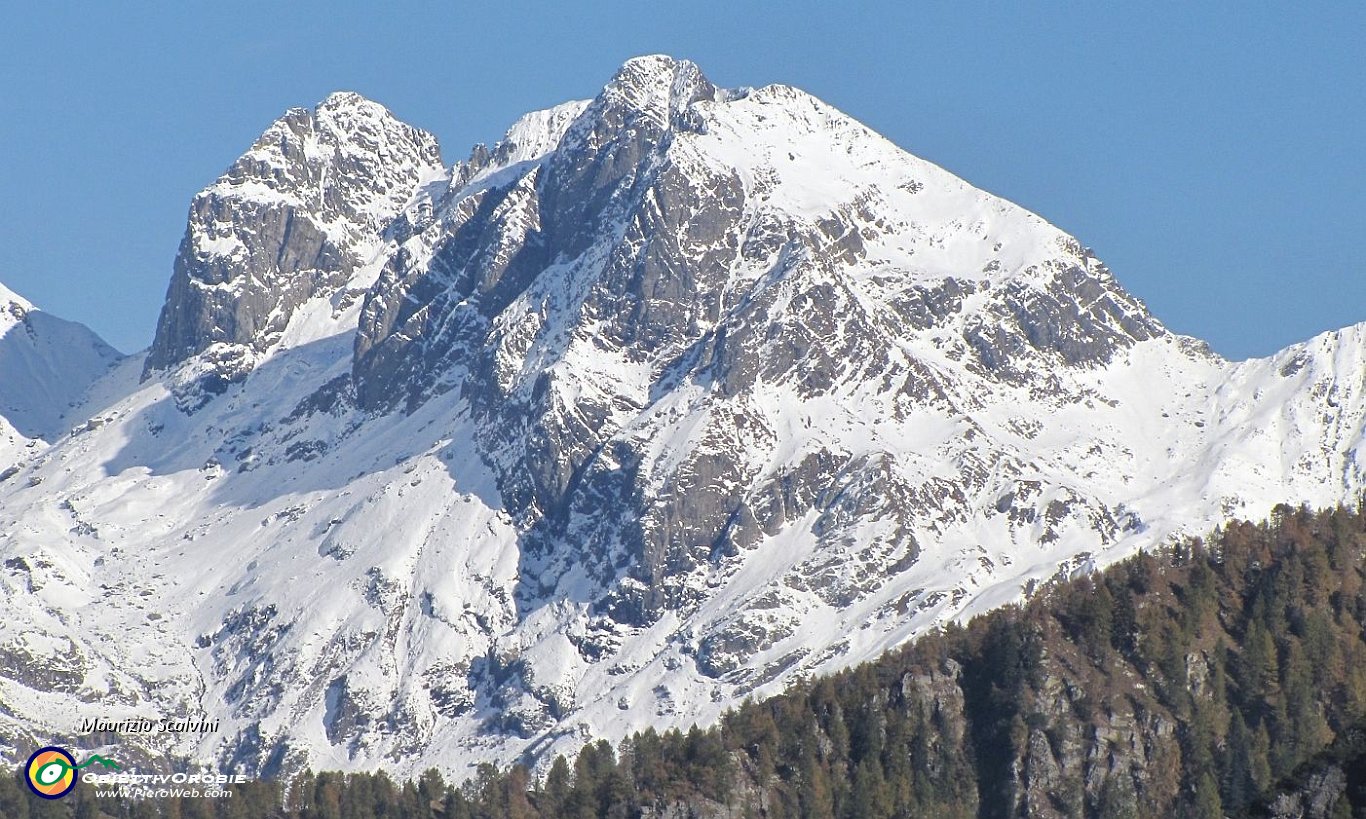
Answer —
1189 683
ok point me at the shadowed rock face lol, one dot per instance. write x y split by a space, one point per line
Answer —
294 217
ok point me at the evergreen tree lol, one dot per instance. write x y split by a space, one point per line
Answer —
815 795
1239 783
1207 803
557 787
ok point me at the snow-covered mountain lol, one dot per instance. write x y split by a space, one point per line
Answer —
46 364
670 397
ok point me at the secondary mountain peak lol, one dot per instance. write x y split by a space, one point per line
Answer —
46 364
295 217
9 300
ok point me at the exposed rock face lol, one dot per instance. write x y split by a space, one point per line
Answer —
293 218
1331 784
1315 798
663 258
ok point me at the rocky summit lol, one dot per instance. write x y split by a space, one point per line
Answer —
670 398
295 217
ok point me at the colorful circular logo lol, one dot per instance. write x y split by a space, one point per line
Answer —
51 772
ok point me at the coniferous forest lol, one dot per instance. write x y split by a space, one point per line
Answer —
1221 677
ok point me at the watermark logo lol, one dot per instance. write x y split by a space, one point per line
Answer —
52 772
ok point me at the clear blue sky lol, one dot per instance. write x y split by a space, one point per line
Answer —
1213 157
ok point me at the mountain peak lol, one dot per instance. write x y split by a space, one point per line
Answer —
46 364
10 299
347 99
654 69
352 116
294 217
659 85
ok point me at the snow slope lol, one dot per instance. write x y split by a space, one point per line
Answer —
46 364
